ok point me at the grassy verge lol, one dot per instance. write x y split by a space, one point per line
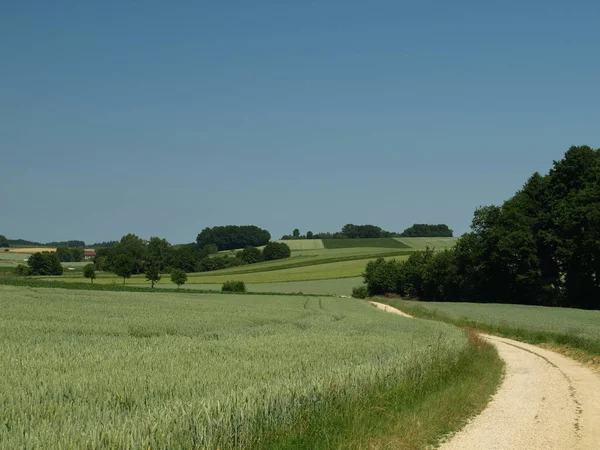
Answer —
435 399
32 282
570 343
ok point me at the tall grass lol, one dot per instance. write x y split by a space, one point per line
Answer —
96 369
573 328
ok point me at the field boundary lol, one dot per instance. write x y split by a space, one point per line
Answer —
584 350
364 243
24 282
294 265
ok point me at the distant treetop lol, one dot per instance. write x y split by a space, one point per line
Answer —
107 244
352 231
232 237
26 243
425 230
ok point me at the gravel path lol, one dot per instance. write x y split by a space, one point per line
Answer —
390 309
546 401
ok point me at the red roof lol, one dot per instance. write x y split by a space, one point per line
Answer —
89 253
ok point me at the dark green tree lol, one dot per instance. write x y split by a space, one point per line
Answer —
178 277
4 242
77 254
296 233
134 248
153 274
124 266
211 249
45 263
187 257
251 255
232 237
159 253
425 230
63 253
89 271
309 235
276 250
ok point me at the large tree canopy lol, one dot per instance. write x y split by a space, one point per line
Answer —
541 247
425 230
232 237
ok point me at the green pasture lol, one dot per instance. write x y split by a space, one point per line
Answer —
577 322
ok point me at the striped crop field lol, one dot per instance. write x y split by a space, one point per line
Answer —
89 369
303 244
440 243
31 249
359 243
326 271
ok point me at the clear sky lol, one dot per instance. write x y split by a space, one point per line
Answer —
162 118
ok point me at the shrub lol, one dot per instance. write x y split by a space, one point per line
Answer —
233 286
251 255
21 270
360 292
276 250
6 250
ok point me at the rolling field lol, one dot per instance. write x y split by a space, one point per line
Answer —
303 244
579 322
12 259
339 286
327 271
358 243
31 249
310 261
423 243
87 369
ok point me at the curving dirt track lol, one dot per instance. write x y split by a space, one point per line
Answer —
390 309
546 401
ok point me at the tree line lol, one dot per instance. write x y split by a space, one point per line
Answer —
352 231
156 256
540 247
4 242
425 230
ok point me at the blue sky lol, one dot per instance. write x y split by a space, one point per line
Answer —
162 118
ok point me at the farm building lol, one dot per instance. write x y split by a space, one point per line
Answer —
89 254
